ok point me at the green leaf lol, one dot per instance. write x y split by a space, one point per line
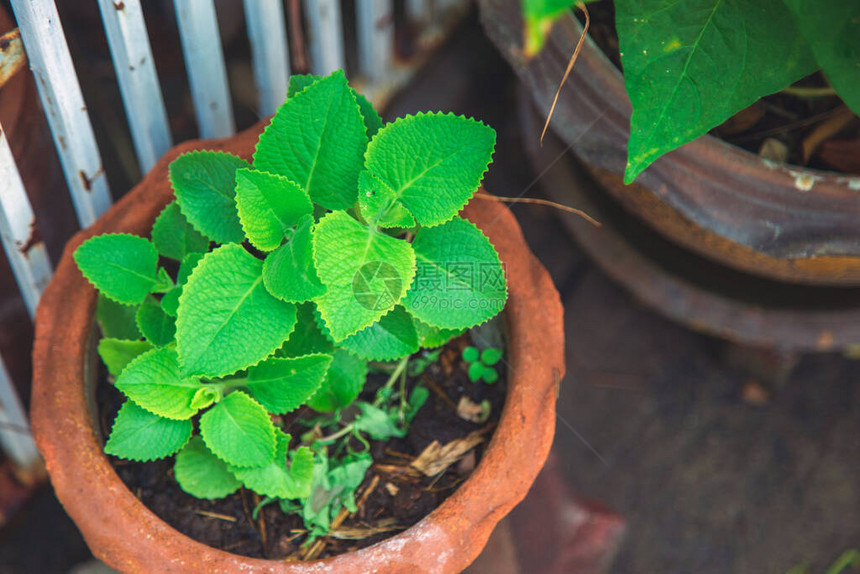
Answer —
289 271
174 237
491 356
342 384
205 187
471 354
490 375
163 282
157 327
152 381
689 66
307 338
430 337
432 162
349 475
317 140
460 281
238 430
392 337
117 353
269 205
538 18
379 424
378 204
116 320
275 479
140 435
372 121
831 29
365 273
227 320
123 267
205 397
419 396
170 300
476 371
283 385
200 473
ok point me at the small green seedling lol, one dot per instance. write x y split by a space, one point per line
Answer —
271 284
482 364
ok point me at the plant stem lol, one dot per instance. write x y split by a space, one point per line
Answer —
807 92
344 431
401 367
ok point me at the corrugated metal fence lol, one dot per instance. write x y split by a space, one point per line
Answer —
51 63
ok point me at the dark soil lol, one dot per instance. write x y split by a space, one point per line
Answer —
391 498
778 126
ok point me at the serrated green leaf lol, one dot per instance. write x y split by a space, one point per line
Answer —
307 338
269 205
123 267
276 479
170 300
205 186
200 473
372 121
377 423
476 371
432 162
689 66
157 327
174 237
205 397
392 337
430 337
378 204
342 384
365 273
283 385
317 140
227 319
117 353
831 29
153 382
238 431
140 435
490 356
460 281
116 320
289 271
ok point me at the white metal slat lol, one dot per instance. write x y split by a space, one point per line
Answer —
60 92
28 259
138 80
32 269
325 40
204 62
268 35
375 22
15 437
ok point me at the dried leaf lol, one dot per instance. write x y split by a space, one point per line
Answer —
12 57
826 130
473 412
436 458
357 533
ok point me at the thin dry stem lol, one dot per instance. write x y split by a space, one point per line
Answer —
538 201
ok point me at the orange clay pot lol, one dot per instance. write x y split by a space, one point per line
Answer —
127 536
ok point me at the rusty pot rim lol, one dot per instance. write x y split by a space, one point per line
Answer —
115 523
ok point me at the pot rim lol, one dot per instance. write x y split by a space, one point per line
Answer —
114 522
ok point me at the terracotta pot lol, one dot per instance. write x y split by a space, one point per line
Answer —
778 221
122 532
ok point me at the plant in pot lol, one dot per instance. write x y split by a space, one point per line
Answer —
239 340
743 223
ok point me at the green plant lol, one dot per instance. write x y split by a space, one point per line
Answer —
270 285
689 66
848 558
482 364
